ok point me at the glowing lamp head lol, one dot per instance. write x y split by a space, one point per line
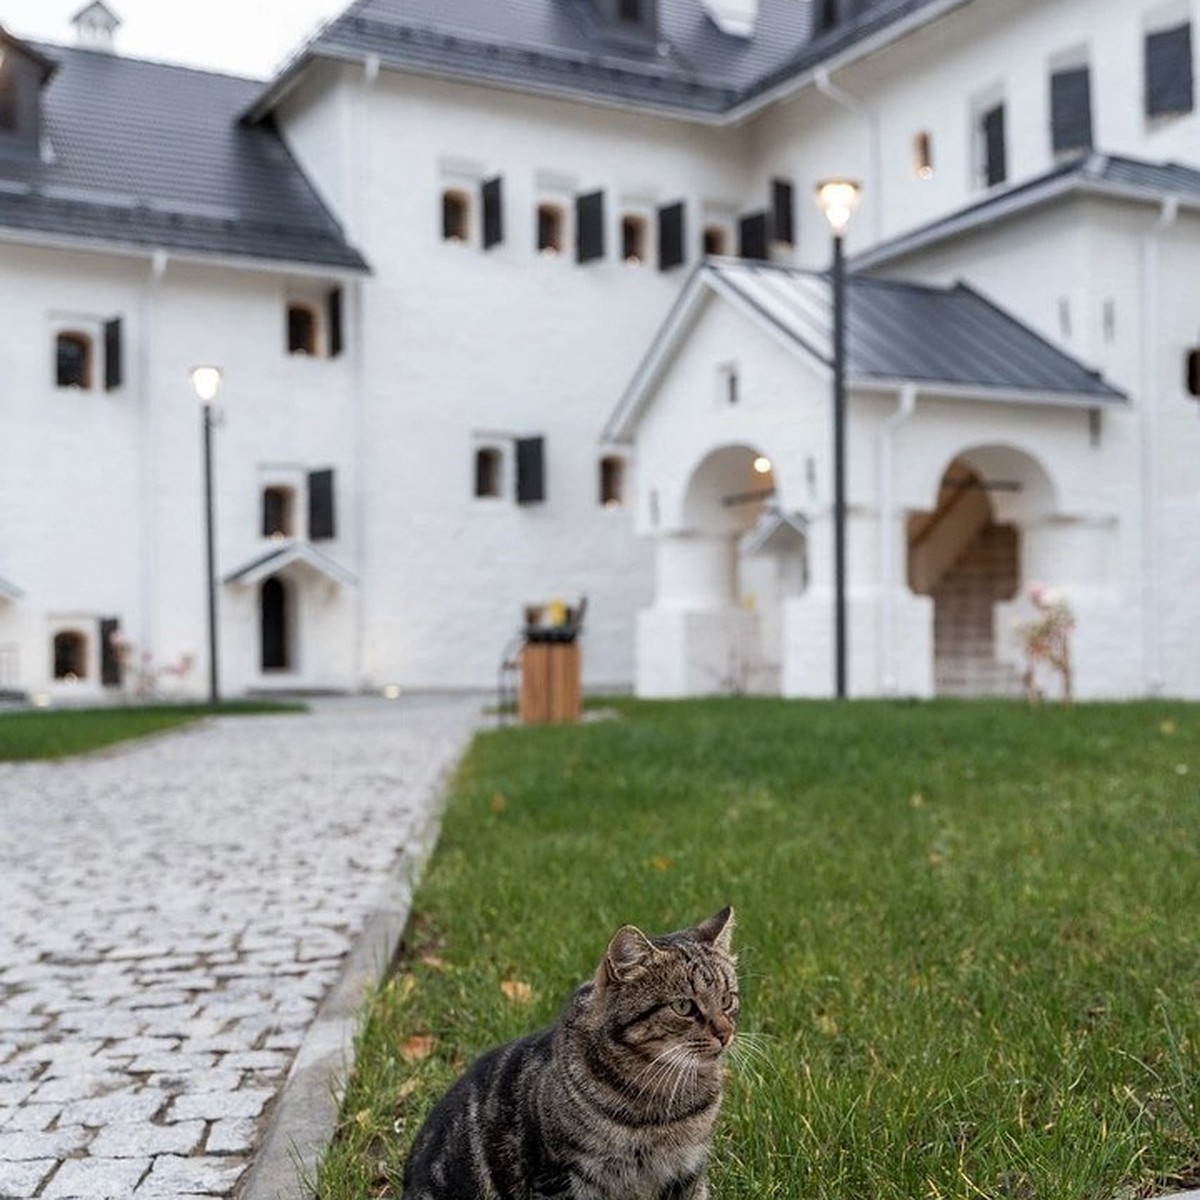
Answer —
838 199
206 383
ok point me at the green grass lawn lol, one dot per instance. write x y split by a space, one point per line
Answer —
59 733
969 937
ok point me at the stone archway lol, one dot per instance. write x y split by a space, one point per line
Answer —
967 554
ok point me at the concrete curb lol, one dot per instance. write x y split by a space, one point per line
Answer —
304 1116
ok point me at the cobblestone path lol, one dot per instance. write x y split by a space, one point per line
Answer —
173 913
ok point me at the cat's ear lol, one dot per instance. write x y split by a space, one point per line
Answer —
629 952
718 930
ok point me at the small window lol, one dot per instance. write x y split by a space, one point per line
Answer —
1071 110
73 360
727 380
612 481
8 102
716 240
993 153
923 155
1193 373
633 240
550 222
456 216
278 512
70 656
629 11
489 465
301 330
1168 66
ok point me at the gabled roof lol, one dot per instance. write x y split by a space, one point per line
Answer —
563 47
1095 174
293 553
147 155
948 341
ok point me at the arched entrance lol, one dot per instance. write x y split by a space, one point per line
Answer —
715 588
967 554
275 635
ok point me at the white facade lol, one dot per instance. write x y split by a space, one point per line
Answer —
451 348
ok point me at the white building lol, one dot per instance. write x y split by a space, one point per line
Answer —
449 262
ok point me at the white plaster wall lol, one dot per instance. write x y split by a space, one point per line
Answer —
104 490
461 344
928 82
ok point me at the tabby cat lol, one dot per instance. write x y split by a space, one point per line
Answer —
616 1101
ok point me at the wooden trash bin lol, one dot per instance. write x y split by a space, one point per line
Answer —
550 687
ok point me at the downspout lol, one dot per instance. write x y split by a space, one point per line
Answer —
358 383
887 541
873 184
1151 634
148 557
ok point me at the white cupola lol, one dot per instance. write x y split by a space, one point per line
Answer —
95 26
735 17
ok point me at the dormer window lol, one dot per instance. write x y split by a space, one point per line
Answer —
23 72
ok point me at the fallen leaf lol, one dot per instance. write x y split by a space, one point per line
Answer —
916 800
516 990
827 1025
407 1088
660 863
417 1047
434 962
1167 727
498 802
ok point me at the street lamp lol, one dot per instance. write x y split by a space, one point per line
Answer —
838 198
206 383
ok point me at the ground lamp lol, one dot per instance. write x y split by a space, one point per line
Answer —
206 383
838 198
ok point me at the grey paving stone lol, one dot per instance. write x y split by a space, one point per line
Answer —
24 1146
208 1176
116 1108
212 1106
234 1136
20 1180
142 1140
96 1178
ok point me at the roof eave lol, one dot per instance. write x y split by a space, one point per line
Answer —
950 390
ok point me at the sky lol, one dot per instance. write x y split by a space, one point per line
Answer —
242 37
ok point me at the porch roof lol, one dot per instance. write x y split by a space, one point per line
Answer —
296 552
949 341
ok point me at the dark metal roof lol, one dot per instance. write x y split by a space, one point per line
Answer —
564 46
145 154
1092 174
952 341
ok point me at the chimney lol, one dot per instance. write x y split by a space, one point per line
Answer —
735 17
95 26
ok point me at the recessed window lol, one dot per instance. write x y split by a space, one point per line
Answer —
278 512
633 240
1168 71
992 152
629 11
73 360
8 102
716 240
301 329
923 155
727 384
456 216
489 467
550 224
1071 110
1193 372
70 656
612 481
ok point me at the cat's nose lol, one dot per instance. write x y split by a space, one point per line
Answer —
722 1028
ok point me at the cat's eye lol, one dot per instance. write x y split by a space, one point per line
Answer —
682 1006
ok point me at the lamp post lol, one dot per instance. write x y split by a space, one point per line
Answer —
838 198
206 383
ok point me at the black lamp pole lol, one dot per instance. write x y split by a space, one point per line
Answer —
210 556
839 466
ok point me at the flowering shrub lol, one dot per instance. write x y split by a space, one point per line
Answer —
1047 640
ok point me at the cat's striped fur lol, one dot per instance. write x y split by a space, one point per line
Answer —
617 1101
